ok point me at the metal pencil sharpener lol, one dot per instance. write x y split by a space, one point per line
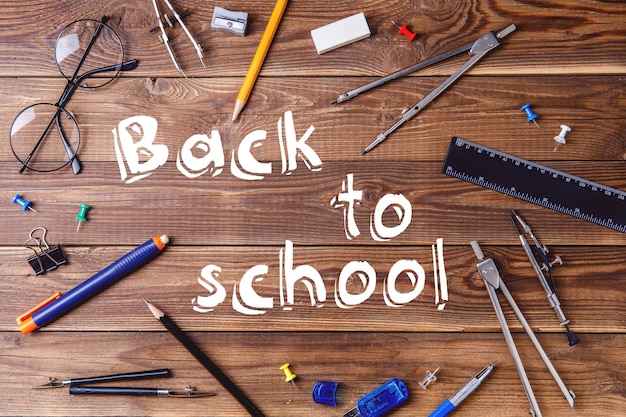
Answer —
233 22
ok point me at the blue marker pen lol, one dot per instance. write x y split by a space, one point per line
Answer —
449 405
58 304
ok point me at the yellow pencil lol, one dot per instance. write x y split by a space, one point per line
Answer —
259 57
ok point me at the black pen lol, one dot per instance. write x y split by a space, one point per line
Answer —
221 377
128 376
449 405
156 392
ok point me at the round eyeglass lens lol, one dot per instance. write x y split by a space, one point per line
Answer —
44 137
89 45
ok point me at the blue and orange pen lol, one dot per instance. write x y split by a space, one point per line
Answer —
59 304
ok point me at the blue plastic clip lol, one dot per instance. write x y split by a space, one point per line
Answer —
389 395
324 392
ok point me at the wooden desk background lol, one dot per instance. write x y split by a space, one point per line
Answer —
567 58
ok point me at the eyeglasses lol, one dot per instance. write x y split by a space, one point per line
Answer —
44 137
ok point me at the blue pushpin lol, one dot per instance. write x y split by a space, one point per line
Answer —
24 203
531 116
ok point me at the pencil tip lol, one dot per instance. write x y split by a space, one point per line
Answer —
239 104
155 311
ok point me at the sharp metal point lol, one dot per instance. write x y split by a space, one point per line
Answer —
52 383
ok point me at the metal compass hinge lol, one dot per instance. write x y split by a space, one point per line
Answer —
477 51
493 282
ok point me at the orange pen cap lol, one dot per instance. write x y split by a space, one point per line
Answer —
26 323
161 241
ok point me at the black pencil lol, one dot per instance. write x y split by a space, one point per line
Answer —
221 377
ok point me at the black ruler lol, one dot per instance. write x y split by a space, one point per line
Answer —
535 183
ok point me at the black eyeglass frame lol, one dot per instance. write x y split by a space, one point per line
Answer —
73 82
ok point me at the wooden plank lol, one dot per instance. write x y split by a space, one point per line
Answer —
570 68
542 44
177 280
184 108
226 210
252 359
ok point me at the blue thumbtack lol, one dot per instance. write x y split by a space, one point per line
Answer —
531 116
24 203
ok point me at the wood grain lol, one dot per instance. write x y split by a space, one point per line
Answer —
185 107
368 359
566 58
174 277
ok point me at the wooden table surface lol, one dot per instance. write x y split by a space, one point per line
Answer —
262 269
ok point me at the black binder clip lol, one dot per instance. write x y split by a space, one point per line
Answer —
46 258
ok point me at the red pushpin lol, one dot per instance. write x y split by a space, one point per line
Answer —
404 31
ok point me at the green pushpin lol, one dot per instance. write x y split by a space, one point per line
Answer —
82 215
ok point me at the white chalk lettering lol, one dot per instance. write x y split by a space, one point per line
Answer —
365 273
297 147
347 199
129 149
355 285
248 295
134 139
247 160
306 274
403 210
416 274
201 154
208 281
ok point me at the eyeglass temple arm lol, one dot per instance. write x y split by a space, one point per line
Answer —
72 86
126 66
71 153
32 152
73 83
92 41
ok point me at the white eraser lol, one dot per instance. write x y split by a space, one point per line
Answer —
340 33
